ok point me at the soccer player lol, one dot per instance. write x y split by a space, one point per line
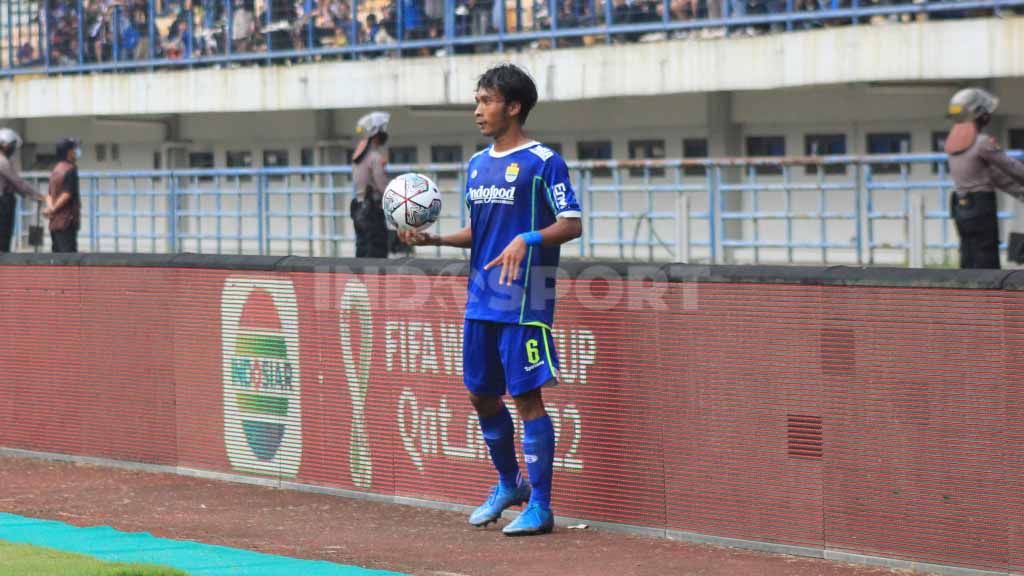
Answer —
522 208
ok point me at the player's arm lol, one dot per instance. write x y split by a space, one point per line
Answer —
564 230
461 239
511 258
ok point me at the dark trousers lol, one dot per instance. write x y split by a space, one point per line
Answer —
371 230
64 240
977 223
372 244
7 204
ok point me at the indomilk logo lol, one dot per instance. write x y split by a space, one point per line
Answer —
492 195
260 343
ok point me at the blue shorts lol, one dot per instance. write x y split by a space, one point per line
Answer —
500 358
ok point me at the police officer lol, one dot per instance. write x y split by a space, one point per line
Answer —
11 184
370 180
978 167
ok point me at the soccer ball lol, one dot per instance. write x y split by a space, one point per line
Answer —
411 202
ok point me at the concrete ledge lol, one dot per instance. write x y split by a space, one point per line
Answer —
848 54
1010 280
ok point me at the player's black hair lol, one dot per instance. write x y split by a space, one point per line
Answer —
64 146
514 85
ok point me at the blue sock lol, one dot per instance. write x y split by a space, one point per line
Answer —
500 436
539 448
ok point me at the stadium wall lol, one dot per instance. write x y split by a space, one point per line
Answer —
840 410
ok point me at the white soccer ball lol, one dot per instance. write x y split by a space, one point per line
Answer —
411 202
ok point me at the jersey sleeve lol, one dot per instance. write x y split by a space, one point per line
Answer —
560 194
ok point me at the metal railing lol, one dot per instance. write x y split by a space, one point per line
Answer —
63 36
840 209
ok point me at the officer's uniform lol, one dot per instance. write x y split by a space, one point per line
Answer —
367 210
10 184
978 171
978 167
370 181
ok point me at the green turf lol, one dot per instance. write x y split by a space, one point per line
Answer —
25 560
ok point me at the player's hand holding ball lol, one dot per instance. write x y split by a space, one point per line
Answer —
415 238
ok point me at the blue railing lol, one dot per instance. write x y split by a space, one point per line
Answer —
862 210
64 36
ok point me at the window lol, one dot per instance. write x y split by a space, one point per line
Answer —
307 157
825 145
446 154
403 155
595 150
939 145
1016 139
760 146
101 152
239 159
158 160
646 150
201 161
695 148
888 143
275 159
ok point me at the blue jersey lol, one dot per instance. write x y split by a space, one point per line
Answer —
508 193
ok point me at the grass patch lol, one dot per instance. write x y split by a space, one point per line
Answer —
26 560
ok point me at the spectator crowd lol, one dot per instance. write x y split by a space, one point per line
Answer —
54 32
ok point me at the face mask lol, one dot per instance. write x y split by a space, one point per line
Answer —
78 153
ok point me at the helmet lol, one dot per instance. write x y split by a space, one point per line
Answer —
369 126
970 104
372 124
9 137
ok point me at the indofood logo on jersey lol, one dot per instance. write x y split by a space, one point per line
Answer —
492 195
512 172
260 344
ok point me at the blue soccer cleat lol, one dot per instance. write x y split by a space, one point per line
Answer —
532 520
500 499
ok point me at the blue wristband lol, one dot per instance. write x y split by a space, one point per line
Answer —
532 238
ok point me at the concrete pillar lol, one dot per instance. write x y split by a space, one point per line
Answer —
724 136
725 140
324 124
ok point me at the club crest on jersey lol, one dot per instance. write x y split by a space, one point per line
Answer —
512 172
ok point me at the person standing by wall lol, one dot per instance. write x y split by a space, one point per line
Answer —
63 205
10 184
978 167
370 180
522 208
